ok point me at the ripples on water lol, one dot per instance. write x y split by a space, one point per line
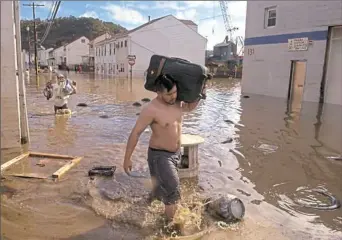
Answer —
272 154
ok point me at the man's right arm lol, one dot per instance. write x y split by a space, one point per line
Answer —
144 120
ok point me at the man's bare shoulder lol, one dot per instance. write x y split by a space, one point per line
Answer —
149 108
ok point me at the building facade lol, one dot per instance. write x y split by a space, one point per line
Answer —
71 54
293 50
92 44
43 56
166 36
10 110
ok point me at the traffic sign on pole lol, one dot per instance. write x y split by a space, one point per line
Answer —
131 62
132 57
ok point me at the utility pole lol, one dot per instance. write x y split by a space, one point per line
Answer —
29 43
33 5
24 128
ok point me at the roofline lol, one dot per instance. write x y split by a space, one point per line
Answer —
190 28
118 36
75 40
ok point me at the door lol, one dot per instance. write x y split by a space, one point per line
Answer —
333 84
297 80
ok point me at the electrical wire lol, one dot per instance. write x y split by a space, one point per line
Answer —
50 22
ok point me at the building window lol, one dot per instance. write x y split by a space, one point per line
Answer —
121 44
125 43
110 49
82 40
114 49
270 17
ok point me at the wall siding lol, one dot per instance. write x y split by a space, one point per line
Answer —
267 61
10 122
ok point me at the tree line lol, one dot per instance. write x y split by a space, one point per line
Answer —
66 29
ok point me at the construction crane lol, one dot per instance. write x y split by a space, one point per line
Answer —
229 29
227 20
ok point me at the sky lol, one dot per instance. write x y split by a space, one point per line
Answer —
130 14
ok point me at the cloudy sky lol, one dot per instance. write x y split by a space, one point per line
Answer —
130 14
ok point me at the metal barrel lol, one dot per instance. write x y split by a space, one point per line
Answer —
228 208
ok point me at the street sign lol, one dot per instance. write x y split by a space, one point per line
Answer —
131 62
132 57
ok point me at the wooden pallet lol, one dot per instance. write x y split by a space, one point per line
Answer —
56 175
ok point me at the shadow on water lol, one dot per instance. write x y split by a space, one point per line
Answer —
274 159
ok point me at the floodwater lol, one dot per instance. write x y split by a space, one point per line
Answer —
274 161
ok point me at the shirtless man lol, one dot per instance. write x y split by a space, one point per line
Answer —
164 115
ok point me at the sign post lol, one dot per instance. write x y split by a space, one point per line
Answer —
131 62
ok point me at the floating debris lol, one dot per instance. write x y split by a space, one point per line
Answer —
337 158
146 100
226 207
229 121
236 152
229 140
82 105
266 148
136 104
102 171
104 116
246 96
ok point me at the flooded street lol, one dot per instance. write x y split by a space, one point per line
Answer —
274 162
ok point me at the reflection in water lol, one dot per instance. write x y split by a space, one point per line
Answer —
284 156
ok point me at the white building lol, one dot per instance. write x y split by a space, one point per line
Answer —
51 61
43 56
74 53
293 49
92 44
10 108
59 55
166 36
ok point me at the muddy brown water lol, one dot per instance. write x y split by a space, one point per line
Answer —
274 160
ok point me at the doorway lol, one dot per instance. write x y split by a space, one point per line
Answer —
296 86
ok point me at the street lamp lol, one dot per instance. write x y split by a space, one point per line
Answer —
29 42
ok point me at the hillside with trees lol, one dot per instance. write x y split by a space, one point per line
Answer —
67 29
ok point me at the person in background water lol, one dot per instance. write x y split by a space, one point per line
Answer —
60 92
164 115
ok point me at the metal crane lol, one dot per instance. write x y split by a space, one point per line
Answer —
229 28
227 20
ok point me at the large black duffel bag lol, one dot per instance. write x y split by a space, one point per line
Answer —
190 77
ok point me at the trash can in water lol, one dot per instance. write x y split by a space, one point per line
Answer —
226 207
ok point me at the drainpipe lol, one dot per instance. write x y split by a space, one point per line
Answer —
24 128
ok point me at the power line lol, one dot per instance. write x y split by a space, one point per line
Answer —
54 13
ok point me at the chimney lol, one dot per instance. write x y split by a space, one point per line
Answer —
149 18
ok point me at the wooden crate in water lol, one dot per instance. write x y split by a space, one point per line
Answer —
189 164
70 162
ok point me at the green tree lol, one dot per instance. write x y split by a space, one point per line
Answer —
67 29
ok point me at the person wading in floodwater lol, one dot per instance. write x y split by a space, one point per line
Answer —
164 115
61 92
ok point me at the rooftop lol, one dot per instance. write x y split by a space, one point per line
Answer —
120 35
